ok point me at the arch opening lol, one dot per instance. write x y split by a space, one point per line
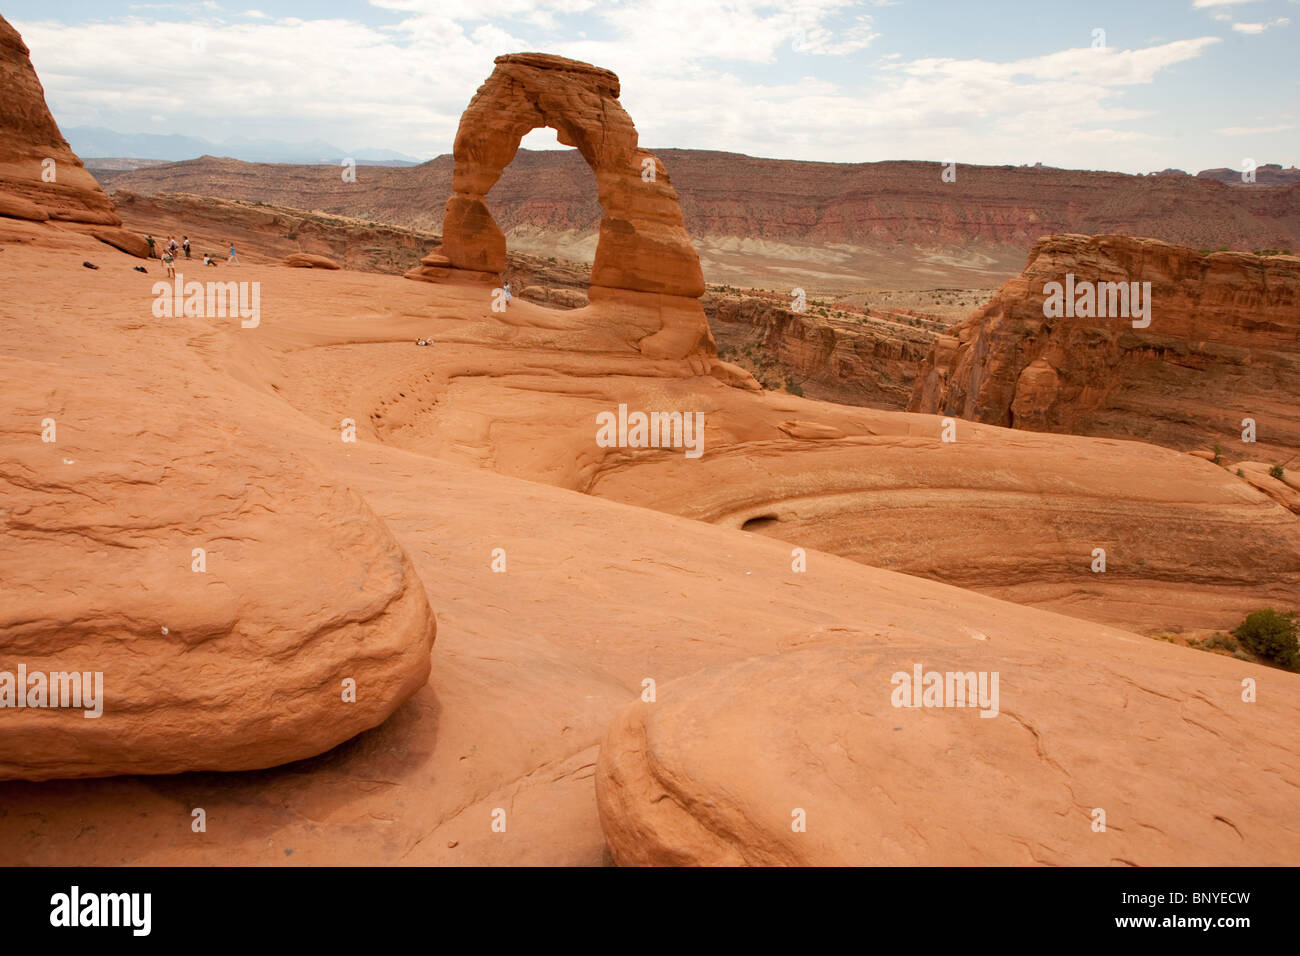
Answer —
642 244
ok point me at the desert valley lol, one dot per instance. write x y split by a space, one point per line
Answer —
614 506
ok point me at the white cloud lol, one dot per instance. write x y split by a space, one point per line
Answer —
1256 28
1252 130
694 75
1201 4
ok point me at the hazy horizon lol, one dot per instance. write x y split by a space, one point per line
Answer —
657 150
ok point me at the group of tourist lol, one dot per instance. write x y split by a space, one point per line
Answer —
170 250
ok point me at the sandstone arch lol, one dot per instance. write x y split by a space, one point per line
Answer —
643 244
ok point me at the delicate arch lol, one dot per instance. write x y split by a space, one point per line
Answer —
643 244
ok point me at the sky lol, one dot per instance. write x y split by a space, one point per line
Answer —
1131 86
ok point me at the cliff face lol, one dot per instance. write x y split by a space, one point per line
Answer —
779 223
1003 205
1223 345
854 359
40 177
273 232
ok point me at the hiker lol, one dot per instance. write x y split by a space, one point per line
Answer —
171 245
508 296
233 260
207 260
185 244
149 239
169 263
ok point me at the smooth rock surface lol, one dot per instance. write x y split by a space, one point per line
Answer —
720 768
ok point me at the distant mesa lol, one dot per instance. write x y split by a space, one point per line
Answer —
1266 174
889 225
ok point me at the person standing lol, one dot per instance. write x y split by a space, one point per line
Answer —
169 263
185 244
233 260
152 253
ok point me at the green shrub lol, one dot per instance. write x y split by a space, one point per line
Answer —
1240 473
1271 635
1219 641
1218 454
793 387
1277 472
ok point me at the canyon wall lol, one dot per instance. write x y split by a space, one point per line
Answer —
781 223
851 358
1222 346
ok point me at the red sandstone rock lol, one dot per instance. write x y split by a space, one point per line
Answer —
230 658
895 223
1284 490
306 260
1223 345
15 207
811 431
38 170
863 361
646 279
802 758
260 232
643 243
129 242
514 393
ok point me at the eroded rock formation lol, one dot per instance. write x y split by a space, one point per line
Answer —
854 358
644 258
643 242
526 679
892 224
40 177
225 588
1222 346
307 260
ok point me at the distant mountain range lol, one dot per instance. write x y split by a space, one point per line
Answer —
777 224
89 142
